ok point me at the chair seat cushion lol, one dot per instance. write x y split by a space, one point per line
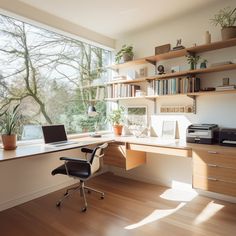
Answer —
80 170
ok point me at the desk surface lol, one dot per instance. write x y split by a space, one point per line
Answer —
36 149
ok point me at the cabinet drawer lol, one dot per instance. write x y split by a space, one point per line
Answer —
183 152
212 185
214 171
215 157
117 155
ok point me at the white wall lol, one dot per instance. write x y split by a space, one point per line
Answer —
219 109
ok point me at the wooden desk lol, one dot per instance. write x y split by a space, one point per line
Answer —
24 151
214 166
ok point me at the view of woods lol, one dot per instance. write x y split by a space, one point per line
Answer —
53 77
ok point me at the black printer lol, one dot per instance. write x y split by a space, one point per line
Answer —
227 137
202 133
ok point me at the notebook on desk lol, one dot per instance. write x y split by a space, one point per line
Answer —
55 135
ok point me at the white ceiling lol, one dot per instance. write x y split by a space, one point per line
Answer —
117 18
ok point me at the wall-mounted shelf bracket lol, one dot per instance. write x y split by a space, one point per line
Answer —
151 62
194 103
154 100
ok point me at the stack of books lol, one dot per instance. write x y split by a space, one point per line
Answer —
226 88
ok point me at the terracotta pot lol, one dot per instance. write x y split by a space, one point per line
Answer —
9 141
117 129
228 32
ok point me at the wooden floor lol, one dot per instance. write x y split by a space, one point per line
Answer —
129 208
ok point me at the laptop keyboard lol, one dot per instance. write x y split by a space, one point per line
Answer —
59 144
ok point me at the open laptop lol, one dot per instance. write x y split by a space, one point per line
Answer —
56 135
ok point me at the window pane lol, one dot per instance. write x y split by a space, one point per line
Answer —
54 78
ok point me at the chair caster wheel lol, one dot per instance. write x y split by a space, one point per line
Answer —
102 197
58 204
84 209
66 193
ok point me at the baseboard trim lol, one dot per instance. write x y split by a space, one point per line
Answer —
30 196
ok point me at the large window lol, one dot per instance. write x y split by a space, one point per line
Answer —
54 78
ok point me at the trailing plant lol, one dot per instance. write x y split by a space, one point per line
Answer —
9 120
116 116
225 17
124 50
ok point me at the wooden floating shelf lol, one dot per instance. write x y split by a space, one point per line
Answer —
144 79
178 94
194 72
124 98
195 94
177 53
128 64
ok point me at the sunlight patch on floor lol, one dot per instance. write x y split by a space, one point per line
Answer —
179 195
210 210
154 216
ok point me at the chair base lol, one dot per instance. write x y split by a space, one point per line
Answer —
82 189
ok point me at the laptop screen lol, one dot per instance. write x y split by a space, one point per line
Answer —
54 133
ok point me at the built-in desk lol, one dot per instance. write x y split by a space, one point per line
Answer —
214 166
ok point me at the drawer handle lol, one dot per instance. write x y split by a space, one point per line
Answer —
213 179
212 152
212 165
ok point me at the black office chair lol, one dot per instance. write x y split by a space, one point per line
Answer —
83 170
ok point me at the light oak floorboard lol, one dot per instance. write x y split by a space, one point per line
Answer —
126 203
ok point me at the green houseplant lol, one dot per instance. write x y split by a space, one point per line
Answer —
116 118
126 52
226 18
9 120
193 60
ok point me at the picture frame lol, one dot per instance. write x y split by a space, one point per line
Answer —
169 129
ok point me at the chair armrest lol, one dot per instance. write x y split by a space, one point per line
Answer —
74 159
86 150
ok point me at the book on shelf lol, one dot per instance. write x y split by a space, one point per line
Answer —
122 90
173 86
225 88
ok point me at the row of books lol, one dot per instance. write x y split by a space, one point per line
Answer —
122 90
173 86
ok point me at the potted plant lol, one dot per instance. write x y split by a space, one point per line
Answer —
9 120
126 52
116 119
226 18
193 60
203 64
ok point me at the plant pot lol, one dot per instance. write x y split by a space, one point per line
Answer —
228 32
127 57
117 129
9 141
